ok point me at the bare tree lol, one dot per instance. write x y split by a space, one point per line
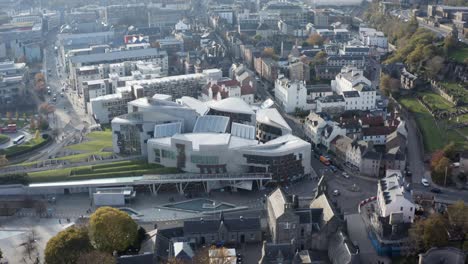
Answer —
30 247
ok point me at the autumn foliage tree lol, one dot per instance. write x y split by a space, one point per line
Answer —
315 40
39 83
96 257
428 233
67 246
268 52
111 229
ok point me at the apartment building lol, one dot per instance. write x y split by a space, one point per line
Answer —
290 95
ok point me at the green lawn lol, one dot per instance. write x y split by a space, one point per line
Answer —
436 134
457 91
432 136
459 54
436 101
4 139
107 170
98 140
25 146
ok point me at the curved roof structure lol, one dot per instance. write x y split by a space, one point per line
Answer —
272 117
231 105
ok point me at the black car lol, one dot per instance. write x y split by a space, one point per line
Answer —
436 190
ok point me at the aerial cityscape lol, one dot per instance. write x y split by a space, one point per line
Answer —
233 132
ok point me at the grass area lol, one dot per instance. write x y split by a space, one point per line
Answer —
23 147
4 138
432 136
459 54
98 140
107 170
456 90
436 101
436 133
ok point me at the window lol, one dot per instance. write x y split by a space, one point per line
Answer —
167 154
411 209
401 208
206 160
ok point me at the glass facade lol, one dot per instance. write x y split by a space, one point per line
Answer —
204 160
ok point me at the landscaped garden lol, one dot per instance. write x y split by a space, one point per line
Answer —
106 170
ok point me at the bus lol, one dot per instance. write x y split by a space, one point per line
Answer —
18 140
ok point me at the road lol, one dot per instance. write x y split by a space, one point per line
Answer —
420 170
66 121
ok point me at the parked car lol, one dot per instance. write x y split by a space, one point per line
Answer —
425 182
436 190
333 168
336 192
346 175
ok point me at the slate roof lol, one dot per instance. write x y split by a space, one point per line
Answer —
273 251
351 94
136 259
212 225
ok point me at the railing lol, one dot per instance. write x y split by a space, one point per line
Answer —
187 177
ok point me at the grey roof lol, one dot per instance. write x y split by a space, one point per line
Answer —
277 200
310 215
136 259
318 88
212 225
362 87
332 98
443 255
341 250
351 94
117 55
372 155
273 251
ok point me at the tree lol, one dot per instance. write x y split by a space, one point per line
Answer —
449 43
458 216
319 58
111 229
32 123
1 254
25 118
434 65
315 40
436 157
450 151
67 246
39 77
96 257
9 116
428 233
30 245
388 84
442 171
268 52
46 109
